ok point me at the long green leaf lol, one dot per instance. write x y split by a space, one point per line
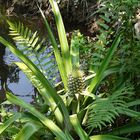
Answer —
76 125
74 53
35 81
104 64
62 37
47 122
107 137
129 128
27 131
6 124
56 51
134 103
50 90
129 112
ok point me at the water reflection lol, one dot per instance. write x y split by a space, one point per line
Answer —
12 78
23 88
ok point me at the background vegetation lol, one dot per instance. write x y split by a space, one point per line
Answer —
87 79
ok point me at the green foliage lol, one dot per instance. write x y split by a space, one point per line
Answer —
100 47
103 111
30 45
27 131
129 128
47 122
76 124
80 50
104 64
9 122
107 137
62 37
58 57
100 98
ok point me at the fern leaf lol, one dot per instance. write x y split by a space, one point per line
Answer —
31 45
104 110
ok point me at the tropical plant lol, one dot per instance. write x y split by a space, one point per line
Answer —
73 104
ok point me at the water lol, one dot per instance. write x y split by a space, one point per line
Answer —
15 80
22 88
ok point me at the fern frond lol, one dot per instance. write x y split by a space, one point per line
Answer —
100 46
33 47
103 111
24 36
